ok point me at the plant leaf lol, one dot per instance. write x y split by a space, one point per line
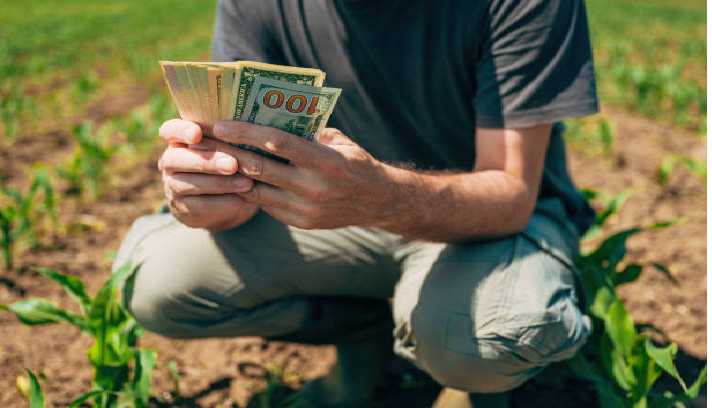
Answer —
39 311
145 361
694 389
629 274
620 327
602 301
665 271
667 166
71 284
100 306
86 396
664 357
613 249
37 399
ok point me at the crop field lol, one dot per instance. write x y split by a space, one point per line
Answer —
81 99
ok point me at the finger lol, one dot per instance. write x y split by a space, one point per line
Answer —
264 194
180 131
195 210
187 184
206 204
299 151
270 171
259 167
332 136
177 159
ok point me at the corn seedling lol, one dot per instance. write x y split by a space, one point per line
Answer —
20 213
672 161
12 105
175 377
276 392
122 370
604 134
592 134
611 205
30 388
84 86
621 362
86 168
136 128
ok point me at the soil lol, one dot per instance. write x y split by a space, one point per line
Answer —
227 372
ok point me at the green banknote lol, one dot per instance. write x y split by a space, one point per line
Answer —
302 110
249 71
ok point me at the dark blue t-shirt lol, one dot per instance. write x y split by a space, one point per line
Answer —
418 76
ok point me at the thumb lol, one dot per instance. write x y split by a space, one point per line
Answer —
332 136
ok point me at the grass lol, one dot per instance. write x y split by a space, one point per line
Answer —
651 57
53 60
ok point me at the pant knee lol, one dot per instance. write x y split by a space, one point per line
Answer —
168 310
453 354
181 282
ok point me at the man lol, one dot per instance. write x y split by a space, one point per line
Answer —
437 214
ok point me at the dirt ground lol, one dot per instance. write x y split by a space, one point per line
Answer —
227 371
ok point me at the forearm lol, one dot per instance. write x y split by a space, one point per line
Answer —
452 207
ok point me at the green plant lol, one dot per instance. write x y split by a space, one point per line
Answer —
595 134
86 168
12 105
175 377
623 363
673 161
84 86
122 369
36 396
604 133
276 392
20 213
611 205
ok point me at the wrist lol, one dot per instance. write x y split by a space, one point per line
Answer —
395 197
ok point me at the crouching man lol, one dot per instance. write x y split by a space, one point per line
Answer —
436 220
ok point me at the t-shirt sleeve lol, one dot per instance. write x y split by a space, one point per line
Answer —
239 32
535 64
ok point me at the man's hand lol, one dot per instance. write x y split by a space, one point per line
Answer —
330 184
200 180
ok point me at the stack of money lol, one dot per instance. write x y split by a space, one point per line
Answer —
288 98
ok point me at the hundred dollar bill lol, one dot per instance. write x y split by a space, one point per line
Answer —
249 71
295 108
207 92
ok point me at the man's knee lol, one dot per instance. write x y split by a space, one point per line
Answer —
181 282
499 359
161 307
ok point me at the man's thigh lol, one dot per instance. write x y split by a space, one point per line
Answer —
485 317
194 277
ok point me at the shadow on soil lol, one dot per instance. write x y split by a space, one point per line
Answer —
555 387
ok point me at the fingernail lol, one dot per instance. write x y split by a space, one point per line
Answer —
226 164
242 184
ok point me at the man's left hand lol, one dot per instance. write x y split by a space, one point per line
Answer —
330 184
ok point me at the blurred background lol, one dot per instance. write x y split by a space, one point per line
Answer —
81 99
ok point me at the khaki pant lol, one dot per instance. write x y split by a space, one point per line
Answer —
480 317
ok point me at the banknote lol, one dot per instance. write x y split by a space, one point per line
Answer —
250 70
284 97
295 108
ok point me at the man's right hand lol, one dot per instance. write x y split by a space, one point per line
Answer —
200 178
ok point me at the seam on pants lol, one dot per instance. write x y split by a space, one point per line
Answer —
511 272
